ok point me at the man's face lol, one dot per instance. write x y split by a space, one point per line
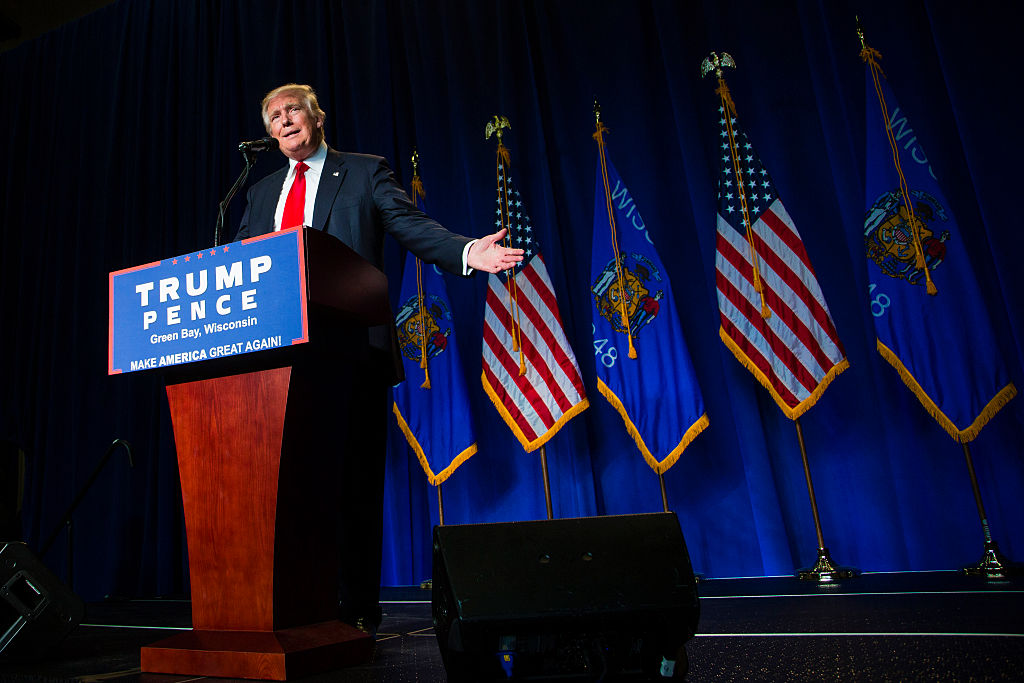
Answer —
297 132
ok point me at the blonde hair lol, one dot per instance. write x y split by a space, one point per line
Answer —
305 94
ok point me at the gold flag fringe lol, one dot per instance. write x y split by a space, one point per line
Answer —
659 467
414 444
1002 397
791 412
530 446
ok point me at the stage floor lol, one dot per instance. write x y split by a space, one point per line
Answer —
926 626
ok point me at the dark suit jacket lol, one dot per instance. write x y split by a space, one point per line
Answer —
358 201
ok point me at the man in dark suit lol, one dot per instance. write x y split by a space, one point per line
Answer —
355 198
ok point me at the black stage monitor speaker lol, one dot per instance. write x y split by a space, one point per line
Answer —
36 609
588 598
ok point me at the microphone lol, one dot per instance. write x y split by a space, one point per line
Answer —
261 145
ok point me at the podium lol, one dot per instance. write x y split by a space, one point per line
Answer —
259 435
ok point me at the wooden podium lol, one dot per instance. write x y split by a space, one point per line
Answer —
259 437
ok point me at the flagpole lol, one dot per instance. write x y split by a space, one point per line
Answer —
547 482
824 570
993 564
664 496
440 507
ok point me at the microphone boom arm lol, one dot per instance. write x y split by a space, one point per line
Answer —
250 160
249 151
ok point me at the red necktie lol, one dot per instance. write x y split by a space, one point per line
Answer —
295 204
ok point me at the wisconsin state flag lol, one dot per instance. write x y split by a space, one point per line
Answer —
432 404
643 366
942 344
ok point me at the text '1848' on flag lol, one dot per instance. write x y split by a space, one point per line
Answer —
773 314
529 370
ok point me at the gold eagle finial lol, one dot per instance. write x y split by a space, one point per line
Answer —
714 62
495 126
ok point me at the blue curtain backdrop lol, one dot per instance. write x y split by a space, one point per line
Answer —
119 134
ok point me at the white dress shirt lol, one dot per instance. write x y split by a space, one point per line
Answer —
316 167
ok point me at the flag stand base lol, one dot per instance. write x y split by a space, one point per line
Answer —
993 564
825 570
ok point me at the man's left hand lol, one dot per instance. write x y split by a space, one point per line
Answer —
489 255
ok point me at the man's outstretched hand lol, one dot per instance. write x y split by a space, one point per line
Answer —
489 255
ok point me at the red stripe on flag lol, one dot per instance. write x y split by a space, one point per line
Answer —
797 324
788 316
788 236
799 288
543 286
753 315
760 362
510 403
555 349
780 307
534 356
508 366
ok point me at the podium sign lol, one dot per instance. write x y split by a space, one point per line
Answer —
258 439
237 298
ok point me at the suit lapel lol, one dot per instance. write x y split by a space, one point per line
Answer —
265 202
330 182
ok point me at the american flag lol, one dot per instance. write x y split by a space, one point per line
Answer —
791 346
529 370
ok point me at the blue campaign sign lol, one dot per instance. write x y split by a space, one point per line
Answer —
236 298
